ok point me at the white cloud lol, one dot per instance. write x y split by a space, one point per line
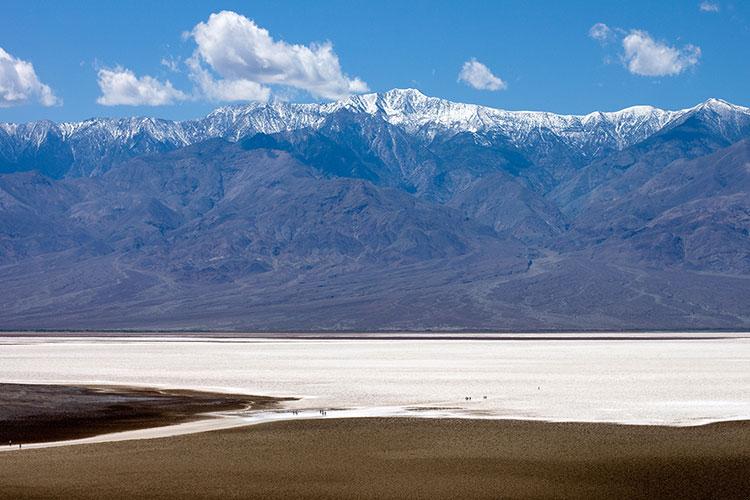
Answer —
601 32
120 86
225 89
709 7
171 63
20 85
477 75
245 58
647 57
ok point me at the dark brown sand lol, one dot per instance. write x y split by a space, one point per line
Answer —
398 458
32 413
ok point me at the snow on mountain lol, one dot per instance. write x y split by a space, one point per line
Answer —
423 116
234 122
418 113
728 120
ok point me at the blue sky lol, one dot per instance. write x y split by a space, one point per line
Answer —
107 58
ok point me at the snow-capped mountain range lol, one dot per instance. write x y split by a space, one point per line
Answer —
390 211
91 146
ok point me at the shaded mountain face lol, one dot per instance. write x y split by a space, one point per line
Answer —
693 213
382 211
698 132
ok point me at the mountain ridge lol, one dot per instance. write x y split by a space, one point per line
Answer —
354 220
91 146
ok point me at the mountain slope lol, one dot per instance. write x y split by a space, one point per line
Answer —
383 211
693 213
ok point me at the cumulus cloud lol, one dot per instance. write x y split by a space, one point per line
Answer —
235 59
239 89
643 55
601 32
647 57
120 86
19 83
709 7
477 75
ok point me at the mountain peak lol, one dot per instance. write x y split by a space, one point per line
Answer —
411 110
720 106
391 102
405 92
713 101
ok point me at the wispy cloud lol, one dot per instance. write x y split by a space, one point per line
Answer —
19 83
708 7
171 63
478 76
601 32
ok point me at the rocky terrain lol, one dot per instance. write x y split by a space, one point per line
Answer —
379 212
